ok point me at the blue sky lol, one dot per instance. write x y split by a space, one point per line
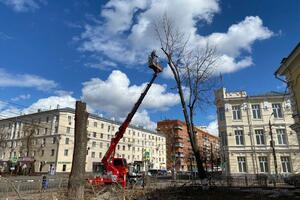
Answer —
54 52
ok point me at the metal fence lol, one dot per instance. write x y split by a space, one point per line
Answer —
29 185
34 184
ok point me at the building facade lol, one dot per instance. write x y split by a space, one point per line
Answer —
245 127
48 137
179 151
290 68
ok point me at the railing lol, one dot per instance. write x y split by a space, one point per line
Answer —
178 144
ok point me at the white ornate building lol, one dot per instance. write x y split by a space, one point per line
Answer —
244 129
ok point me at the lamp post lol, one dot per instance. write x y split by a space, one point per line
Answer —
272 144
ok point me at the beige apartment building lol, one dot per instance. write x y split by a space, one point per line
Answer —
48 138
244 129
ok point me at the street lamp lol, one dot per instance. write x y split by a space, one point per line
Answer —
272 144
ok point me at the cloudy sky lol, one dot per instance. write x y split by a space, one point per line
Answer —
55 52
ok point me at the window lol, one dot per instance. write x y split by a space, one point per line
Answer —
95 124
56 129
37 131
44 141
94 134
101 135
285 164
67 141
52 152
239 137
281 136
260 138
66 152
277 110
46 130
100 155
53 140
236 112
101 145
43 152
102 126
242 164
64 167
47 119
221 112
93 154
123 147
108 128
256 111
263 164
118 147
68 129
93 144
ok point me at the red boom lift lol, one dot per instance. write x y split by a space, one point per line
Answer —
116 168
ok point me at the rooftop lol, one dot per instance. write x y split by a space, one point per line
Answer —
71 110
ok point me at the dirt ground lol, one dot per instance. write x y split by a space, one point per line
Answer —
194 193
172 193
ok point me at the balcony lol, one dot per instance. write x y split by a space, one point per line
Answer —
177 136
178 127
178 144
179 155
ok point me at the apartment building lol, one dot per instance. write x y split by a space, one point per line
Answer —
244 125
290 68
48 138
179 151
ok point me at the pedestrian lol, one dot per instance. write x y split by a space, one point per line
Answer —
44 183
143 180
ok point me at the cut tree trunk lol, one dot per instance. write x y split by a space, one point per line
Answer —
77 175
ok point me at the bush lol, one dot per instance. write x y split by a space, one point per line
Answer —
293 180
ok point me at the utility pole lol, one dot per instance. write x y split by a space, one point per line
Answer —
272 144
77 175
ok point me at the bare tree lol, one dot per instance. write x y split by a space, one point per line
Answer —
29 130
193 70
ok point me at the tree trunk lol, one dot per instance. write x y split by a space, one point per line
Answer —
192 136
77 175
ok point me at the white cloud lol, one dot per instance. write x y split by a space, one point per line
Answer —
52 102
25 80
23 5
21 97
127 34
115 96
63 93
142 118
4 36
212 128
